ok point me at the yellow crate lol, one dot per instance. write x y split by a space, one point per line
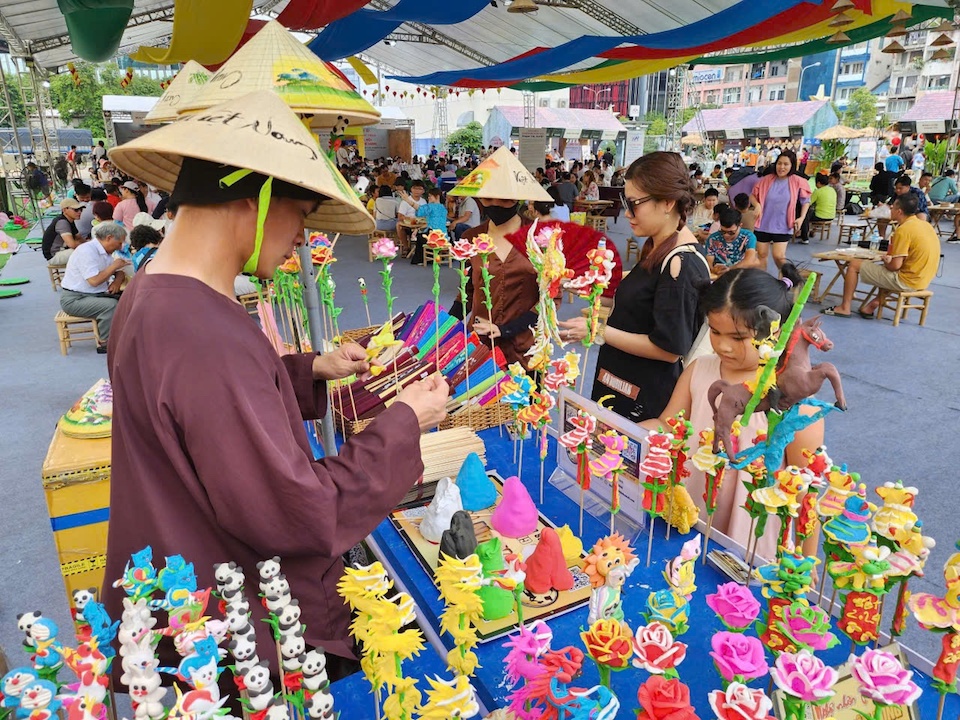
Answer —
76 483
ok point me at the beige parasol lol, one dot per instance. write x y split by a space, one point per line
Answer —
501 176
839 132
275 60
182 88
691 139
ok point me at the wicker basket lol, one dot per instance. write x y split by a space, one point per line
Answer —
354 335
478 418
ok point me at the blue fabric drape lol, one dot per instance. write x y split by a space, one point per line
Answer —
358 31
735 19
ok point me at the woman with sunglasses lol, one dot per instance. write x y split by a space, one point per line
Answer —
655 317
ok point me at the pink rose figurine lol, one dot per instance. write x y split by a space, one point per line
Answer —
807 626
883 679
656 651
735 605
738 702
804 677
739 658
385 249
463 250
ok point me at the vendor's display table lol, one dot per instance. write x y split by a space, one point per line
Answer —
76 482
352 697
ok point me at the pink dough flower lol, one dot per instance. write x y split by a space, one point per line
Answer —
803 676
437 239
883 679
484 244
738 702
807 626
463 250
735 605
656 651
738 657
385 249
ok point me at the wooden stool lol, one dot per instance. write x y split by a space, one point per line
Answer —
903 304
820 229
249 302
848 229
632 247
597 222
56 275
440 255
71 329
815 293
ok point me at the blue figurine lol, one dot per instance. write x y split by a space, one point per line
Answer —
177 580
47 650
852 526
139 576
38 701
101 627
13 684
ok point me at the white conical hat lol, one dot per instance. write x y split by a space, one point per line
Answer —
273 59
257 132
184 86
501 176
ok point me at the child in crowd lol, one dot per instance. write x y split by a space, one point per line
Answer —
144 241
730 306
747 205
434 211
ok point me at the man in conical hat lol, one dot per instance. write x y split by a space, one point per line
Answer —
210 456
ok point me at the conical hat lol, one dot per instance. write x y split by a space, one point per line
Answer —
275 60
184 86
256 132
501 176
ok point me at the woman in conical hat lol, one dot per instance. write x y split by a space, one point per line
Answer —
210 456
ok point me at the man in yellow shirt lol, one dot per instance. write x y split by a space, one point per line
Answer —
910 264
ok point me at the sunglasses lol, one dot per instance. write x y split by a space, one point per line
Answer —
629 204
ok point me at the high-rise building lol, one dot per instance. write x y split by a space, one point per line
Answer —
915 71
758 83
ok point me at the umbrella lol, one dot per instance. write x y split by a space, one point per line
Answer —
839 132
691 139
869 132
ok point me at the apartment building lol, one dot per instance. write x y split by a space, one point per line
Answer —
915 72
737 85
860 65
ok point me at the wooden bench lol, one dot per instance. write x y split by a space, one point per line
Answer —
56 275
900 303
71 329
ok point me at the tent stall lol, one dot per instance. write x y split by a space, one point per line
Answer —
930 115
569 131
748 125
124 117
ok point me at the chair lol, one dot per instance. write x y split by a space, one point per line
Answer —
899 303
434 255
848 229
820 229
597 222
815 293
633 247
56 275
249 302
71 329
613 195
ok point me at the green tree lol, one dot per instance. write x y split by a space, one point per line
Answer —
469 138
83 104
861 109
16 99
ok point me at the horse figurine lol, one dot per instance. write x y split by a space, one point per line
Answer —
796 381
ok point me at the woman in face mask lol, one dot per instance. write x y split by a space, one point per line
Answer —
499 184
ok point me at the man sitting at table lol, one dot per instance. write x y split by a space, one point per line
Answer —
903 185
568 189
944 188
731 246
836 184
823 207
910 264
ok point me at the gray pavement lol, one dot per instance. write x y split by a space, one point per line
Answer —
902 386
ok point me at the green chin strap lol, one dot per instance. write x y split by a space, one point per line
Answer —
263 206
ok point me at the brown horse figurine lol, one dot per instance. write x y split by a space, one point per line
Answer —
796 381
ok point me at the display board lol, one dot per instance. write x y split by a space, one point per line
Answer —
533 143
535 607
633 148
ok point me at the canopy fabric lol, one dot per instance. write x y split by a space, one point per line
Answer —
839 132
358 31
96 26
313 14
203 30
360 67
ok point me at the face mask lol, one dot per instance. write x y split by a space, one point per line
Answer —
501 215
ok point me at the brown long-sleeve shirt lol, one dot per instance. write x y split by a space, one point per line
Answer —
211 459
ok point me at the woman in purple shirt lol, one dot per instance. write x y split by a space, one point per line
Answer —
778 194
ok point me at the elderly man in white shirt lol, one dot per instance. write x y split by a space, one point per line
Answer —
93 279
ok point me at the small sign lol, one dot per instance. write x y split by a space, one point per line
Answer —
931 127
610 135
708 76
779 131
734 134
533 143
634 111
634 145
572 133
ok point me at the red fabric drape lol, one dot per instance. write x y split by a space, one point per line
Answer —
314 14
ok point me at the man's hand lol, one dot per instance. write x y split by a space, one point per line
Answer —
573 330
482 326
114 287
346 360
428 399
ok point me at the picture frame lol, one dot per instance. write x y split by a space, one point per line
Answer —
847 700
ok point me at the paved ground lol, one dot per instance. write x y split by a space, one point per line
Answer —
901 384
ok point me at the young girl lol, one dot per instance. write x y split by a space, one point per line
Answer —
730 306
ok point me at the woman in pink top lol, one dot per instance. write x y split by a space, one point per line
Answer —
777 195
130 204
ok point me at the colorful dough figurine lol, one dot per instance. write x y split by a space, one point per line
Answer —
572 546
460 540
608 565
546 568
578 441
438 514
477 491
852 526
896 514
460 581
497 601
516 515
656 466
609 466
680 571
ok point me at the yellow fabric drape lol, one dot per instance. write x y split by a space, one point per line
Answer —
365 73
635 68
207 31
